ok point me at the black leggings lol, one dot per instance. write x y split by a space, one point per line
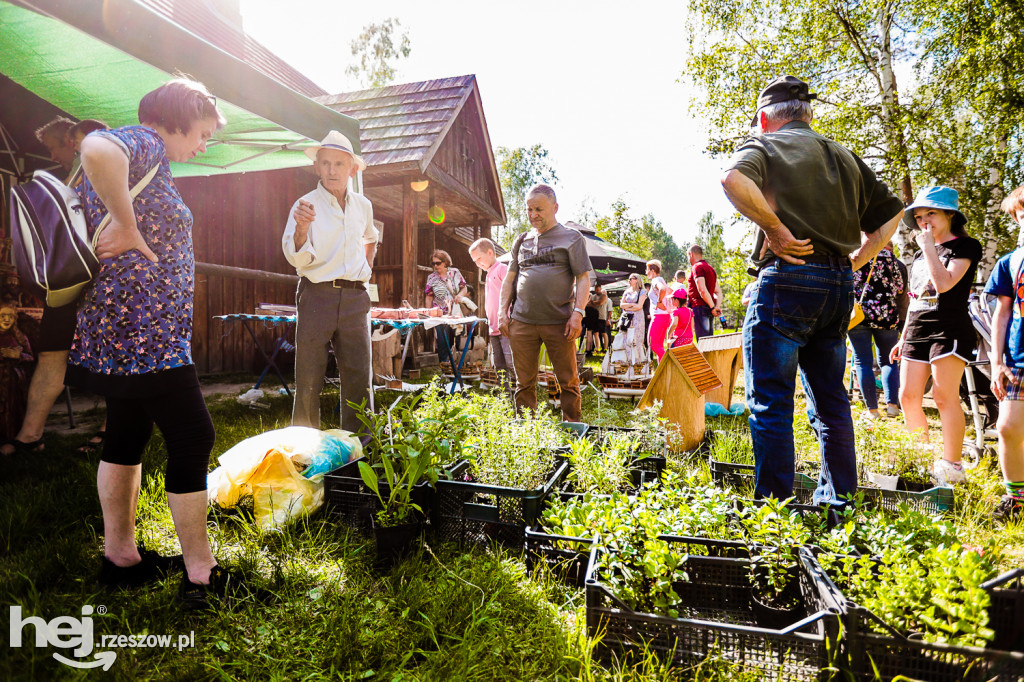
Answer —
185 424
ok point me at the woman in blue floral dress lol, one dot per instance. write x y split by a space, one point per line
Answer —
134 334
880 328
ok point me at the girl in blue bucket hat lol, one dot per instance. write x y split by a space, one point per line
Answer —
938 339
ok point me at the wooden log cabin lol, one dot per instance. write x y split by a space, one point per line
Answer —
429 136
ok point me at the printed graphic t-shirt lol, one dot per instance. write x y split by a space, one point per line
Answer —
1007 279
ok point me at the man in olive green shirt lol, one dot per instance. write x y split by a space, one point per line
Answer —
822 214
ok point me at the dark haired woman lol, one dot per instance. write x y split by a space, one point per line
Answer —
938 339
446 288
134 335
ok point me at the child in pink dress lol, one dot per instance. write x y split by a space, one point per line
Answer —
680 330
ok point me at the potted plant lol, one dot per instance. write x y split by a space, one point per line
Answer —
772 534
408 452
891 460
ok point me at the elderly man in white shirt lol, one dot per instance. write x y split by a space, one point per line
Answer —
331 240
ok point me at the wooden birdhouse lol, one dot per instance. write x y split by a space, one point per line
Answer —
723 354
682 379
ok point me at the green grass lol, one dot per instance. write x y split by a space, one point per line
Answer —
324 612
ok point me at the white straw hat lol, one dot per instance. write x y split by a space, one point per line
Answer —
336 140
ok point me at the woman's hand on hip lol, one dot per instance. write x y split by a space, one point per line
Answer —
115 239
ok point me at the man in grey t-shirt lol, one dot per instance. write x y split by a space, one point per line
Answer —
550 276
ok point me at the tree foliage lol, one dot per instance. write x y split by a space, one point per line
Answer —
519 169
377 49
955 120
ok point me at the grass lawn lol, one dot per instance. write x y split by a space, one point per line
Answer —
324 613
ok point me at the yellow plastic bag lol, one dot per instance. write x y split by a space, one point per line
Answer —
282 470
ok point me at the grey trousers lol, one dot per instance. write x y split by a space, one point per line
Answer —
501 358
337 319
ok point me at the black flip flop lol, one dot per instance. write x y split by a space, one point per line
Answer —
94 444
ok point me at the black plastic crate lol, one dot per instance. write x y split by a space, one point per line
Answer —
894 654
349 499
936 500
719 620
1006 613
476 513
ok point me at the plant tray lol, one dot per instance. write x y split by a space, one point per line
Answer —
937 500
657 451
352 502
717 603
477 513
895 655
1006 613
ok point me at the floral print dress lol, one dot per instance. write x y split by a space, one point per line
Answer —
134 332
888 281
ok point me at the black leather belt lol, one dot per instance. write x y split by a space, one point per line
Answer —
343 284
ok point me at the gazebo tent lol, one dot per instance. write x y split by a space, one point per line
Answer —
96 58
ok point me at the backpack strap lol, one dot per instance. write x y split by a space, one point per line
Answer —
135 191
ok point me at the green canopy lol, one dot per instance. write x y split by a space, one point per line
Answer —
97 58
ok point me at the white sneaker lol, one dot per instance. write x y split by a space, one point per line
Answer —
946 473
892 411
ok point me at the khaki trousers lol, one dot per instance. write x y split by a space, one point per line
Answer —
337 319
526 340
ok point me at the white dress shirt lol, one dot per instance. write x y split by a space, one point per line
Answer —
335 247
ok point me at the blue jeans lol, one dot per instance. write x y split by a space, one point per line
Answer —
797 319
702 322
861 338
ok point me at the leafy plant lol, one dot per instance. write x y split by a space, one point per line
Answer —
772 534
516 453
733 446
605 471
403 451
891 452
935 594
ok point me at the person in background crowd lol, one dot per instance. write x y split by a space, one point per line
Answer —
938 339
552 287
701 288
592 323
57 328
632 305
679 280
56 137
878 286
606 331
446 289
134 337
647 314
78 131
680 331
482 253
600 301
331 241
1007 284
823 200
659 295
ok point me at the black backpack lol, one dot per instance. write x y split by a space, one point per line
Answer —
52 250
51 243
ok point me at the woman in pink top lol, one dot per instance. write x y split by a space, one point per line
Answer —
680 330
659 309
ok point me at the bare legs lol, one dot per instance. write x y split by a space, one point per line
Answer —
946 374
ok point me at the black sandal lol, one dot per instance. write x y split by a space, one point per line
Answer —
23 448
94 444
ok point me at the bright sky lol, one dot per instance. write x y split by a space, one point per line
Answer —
593 82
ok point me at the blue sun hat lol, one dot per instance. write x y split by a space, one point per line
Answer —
939 196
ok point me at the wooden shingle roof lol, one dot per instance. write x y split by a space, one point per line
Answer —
402 124
430 130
